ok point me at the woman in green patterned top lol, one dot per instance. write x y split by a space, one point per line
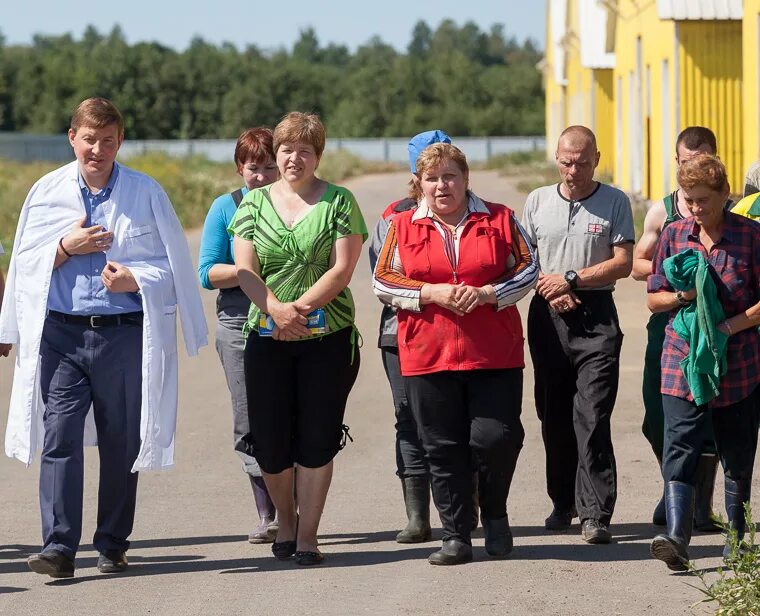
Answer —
296 245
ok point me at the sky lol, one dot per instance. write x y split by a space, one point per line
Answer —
268 25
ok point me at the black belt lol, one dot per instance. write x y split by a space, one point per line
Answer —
98 320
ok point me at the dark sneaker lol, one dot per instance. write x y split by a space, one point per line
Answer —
452 552
595 532
559 519
112 561
52 563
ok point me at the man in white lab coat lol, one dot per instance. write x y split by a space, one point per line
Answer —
99 267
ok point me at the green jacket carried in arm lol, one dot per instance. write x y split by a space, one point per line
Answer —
697 323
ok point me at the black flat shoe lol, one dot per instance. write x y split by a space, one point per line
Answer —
283 550
309 558
452 552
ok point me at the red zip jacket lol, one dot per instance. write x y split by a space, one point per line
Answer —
436 339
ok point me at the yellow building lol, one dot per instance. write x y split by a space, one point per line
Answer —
578 75
677 64
751 92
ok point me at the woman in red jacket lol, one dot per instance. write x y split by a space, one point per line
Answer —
454 268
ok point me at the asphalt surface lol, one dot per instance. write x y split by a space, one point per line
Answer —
189 552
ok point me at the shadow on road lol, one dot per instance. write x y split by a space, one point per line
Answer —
5 590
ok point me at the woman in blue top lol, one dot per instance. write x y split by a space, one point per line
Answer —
254 158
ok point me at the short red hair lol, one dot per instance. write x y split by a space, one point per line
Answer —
255 145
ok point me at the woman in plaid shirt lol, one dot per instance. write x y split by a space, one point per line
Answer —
731 247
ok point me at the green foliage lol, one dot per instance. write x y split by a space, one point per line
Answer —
461 79
737 589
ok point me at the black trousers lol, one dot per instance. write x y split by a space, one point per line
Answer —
463 415
410 455
297 393
576 364
735 428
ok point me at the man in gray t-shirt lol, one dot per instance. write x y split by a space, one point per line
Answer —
583 232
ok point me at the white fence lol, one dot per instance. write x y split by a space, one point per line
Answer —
23 147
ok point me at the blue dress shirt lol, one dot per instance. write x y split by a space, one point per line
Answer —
76 287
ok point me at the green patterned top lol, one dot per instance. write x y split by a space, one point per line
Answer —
292 260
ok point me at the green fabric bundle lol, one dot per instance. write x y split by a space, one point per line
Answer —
697 323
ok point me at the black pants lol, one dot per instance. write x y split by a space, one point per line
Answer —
735 428
576 364
297 393
461 415
410 455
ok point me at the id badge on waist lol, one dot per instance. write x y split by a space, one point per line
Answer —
315 321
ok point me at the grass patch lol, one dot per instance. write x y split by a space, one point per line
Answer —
736 591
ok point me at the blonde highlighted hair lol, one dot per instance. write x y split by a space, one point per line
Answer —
299 127
434 156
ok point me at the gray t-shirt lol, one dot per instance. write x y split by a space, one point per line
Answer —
572 235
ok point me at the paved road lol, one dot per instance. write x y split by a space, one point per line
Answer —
190 556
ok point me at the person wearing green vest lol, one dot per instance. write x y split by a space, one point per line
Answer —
749 207
691 142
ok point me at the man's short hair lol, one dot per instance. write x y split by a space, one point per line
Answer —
694 137
703 170
96 112
577 132
299 127
255 145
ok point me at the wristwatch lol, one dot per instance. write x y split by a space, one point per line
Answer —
571 278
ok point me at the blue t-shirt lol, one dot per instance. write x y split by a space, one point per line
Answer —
216 241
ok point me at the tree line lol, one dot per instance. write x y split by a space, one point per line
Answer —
462 79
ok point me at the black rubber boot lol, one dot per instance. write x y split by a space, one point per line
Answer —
658 515
417 500
737 493
452 552
266 529
672 548
475 500
704 482
498 534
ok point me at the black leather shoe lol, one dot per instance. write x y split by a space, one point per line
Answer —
498 536
595 532
452 552
559 519
112 561
52 563
283 550
307 558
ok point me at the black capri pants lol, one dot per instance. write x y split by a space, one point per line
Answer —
297 394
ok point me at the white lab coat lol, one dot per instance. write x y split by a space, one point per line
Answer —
144 224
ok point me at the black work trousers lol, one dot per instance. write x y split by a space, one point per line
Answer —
466 415
410 455
576 363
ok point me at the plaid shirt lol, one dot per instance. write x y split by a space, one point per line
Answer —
734 264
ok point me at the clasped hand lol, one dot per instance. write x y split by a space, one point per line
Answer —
461 299
550 286
290 320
